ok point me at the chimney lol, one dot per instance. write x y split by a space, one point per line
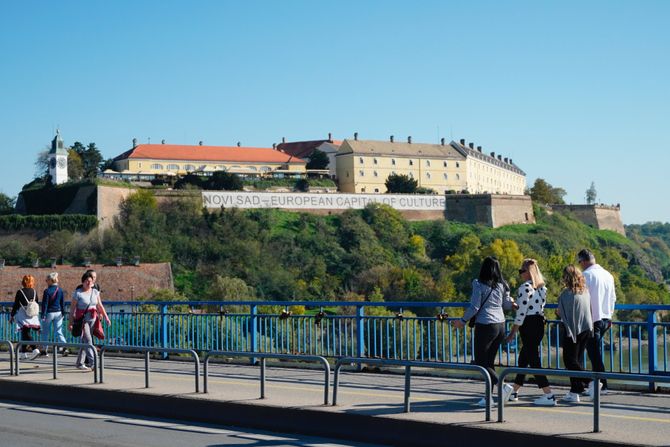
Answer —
409 139
506 160
239 144
274 146
479 148
511 162
162 141
442 141
134 143
391 138
472 145
493 154
462 141
330 136
499 157
200 143
355 136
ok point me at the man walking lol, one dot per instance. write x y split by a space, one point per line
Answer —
600 283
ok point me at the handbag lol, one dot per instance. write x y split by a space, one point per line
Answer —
32 309
77 326
471 321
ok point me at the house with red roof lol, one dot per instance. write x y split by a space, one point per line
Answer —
305 149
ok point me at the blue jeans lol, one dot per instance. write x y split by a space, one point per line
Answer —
594 346
53 320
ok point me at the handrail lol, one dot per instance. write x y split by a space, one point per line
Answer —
55 355
147 351
579 374
11 355
263 357
408 364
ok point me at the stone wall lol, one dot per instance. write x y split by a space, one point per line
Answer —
492 210
602 217
109 199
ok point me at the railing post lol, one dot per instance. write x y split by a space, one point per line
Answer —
360 333
164 330
253 311
652 333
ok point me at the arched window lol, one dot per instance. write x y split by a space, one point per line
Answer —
266 169
252 168
173 167
189 168
157 166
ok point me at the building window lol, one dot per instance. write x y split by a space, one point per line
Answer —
427 162
362 189
360 160
374 160
444 164
446 177
458 165
139 165
375 174
157 166
189 168
347 174
266 169
393 161
252 168
411 163
458 176
361 173
173 167
377 190
427 174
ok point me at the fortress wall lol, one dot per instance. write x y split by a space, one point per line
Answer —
509 210
601 217
109 199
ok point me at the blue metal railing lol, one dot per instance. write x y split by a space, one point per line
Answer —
353 331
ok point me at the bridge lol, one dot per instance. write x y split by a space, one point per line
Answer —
371 406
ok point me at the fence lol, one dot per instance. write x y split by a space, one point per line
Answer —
346 329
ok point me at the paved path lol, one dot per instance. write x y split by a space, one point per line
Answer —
631 418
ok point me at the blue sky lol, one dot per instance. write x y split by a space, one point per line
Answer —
574 92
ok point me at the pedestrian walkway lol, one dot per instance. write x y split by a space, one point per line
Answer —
447 404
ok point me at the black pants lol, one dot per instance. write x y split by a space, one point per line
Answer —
594 349
488 338
532 332
26 336
573 353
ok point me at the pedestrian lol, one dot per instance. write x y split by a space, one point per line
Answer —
94 275
26 315
574 310
529 322
490 295
600 283
53 309
87 305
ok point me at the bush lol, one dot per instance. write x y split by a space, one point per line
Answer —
71 222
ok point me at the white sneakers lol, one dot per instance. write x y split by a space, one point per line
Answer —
33 355
547 400
482 402
508 394
589 390
570 398
83 368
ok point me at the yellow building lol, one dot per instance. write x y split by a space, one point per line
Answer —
364 165
169 159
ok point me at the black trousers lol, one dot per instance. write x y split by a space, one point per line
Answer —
488 338
573 353
26 335
594 348
532 332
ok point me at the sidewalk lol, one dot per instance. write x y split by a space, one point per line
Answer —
370 406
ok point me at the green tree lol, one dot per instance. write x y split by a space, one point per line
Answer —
222 180
542 192
75 165
302 185
591 194
91 159
7 204
400 184
318 160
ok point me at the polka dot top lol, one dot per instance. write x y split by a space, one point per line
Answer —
531 301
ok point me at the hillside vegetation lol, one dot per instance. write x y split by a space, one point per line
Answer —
371 254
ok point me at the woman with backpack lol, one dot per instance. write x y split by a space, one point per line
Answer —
53 309
26 314
490 295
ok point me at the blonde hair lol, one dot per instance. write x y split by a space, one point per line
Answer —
530 265
28 281
573 279
53 277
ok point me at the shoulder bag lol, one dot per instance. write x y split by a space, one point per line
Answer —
471 321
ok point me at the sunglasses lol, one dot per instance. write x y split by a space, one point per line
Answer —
522 271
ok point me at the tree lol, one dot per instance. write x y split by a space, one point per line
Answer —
91 159
591 194
222 180
543 192
7 204
318 160
107 164
75 166
400 183
42 164
302 185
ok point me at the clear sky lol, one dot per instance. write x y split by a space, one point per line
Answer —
573 91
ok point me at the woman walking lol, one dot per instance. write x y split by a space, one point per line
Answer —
490 295
529 322
53 308
86 305
26 314
574 310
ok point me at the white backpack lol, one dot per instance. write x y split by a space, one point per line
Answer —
32 309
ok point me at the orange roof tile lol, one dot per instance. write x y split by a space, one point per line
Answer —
209 153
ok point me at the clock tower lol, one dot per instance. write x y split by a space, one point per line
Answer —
58 160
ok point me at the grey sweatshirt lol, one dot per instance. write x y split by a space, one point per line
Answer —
575 310
492 311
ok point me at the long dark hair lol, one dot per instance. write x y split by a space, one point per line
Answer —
490 273
86 275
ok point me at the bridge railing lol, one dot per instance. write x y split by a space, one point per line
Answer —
346 329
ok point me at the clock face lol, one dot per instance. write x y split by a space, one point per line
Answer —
52 162
61 162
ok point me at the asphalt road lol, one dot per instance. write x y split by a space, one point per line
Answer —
36 426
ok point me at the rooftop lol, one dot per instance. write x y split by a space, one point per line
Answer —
208 153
